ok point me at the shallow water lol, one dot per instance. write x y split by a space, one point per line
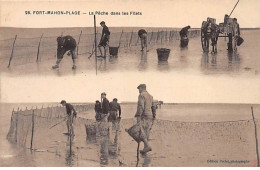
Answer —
244 62
178 138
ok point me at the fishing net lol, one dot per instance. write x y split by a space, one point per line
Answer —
105 143
40 49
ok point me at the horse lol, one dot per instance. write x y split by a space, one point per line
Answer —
209 31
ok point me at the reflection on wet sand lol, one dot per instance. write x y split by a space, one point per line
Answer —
106 138
143 61
113 59
70 154
214 60
70 158
163 65
231 62
205 61
102 64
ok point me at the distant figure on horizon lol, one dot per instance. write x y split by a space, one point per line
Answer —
66 44
104 38
143 36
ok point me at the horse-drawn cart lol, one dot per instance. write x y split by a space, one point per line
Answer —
210 31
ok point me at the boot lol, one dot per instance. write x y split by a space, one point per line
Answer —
55 66
146 149
74 67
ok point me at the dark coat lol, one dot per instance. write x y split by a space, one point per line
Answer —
98 108
105 106
184 31
64 44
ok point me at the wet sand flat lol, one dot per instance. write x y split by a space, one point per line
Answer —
199 135
244 62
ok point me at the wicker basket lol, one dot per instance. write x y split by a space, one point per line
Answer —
137 132
91 129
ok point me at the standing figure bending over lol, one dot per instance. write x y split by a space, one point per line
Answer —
66 44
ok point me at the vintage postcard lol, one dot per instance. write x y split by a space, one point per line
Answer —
128 83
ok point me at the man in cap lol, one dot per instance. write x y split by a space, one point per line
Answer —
105 105
144 114
143 36
71 113
115 108
104 38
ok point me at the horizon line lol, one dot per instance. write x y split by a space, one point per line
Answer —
110 27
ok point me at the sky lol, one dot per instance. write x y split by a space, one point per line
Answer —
155 13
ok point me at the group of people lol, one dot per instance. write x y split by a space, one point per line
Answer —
67 44
105 110
111 111
145 114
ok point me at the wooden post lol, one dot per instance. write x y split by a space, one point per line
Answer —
32 130
78 43
151 38
12 52
157 36
161 36
16 126
137 40
95 33
38 52
256 140
126 39
120 39
131 37
172 35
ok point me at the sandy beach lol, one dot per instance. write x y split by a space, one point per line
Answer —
182 135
